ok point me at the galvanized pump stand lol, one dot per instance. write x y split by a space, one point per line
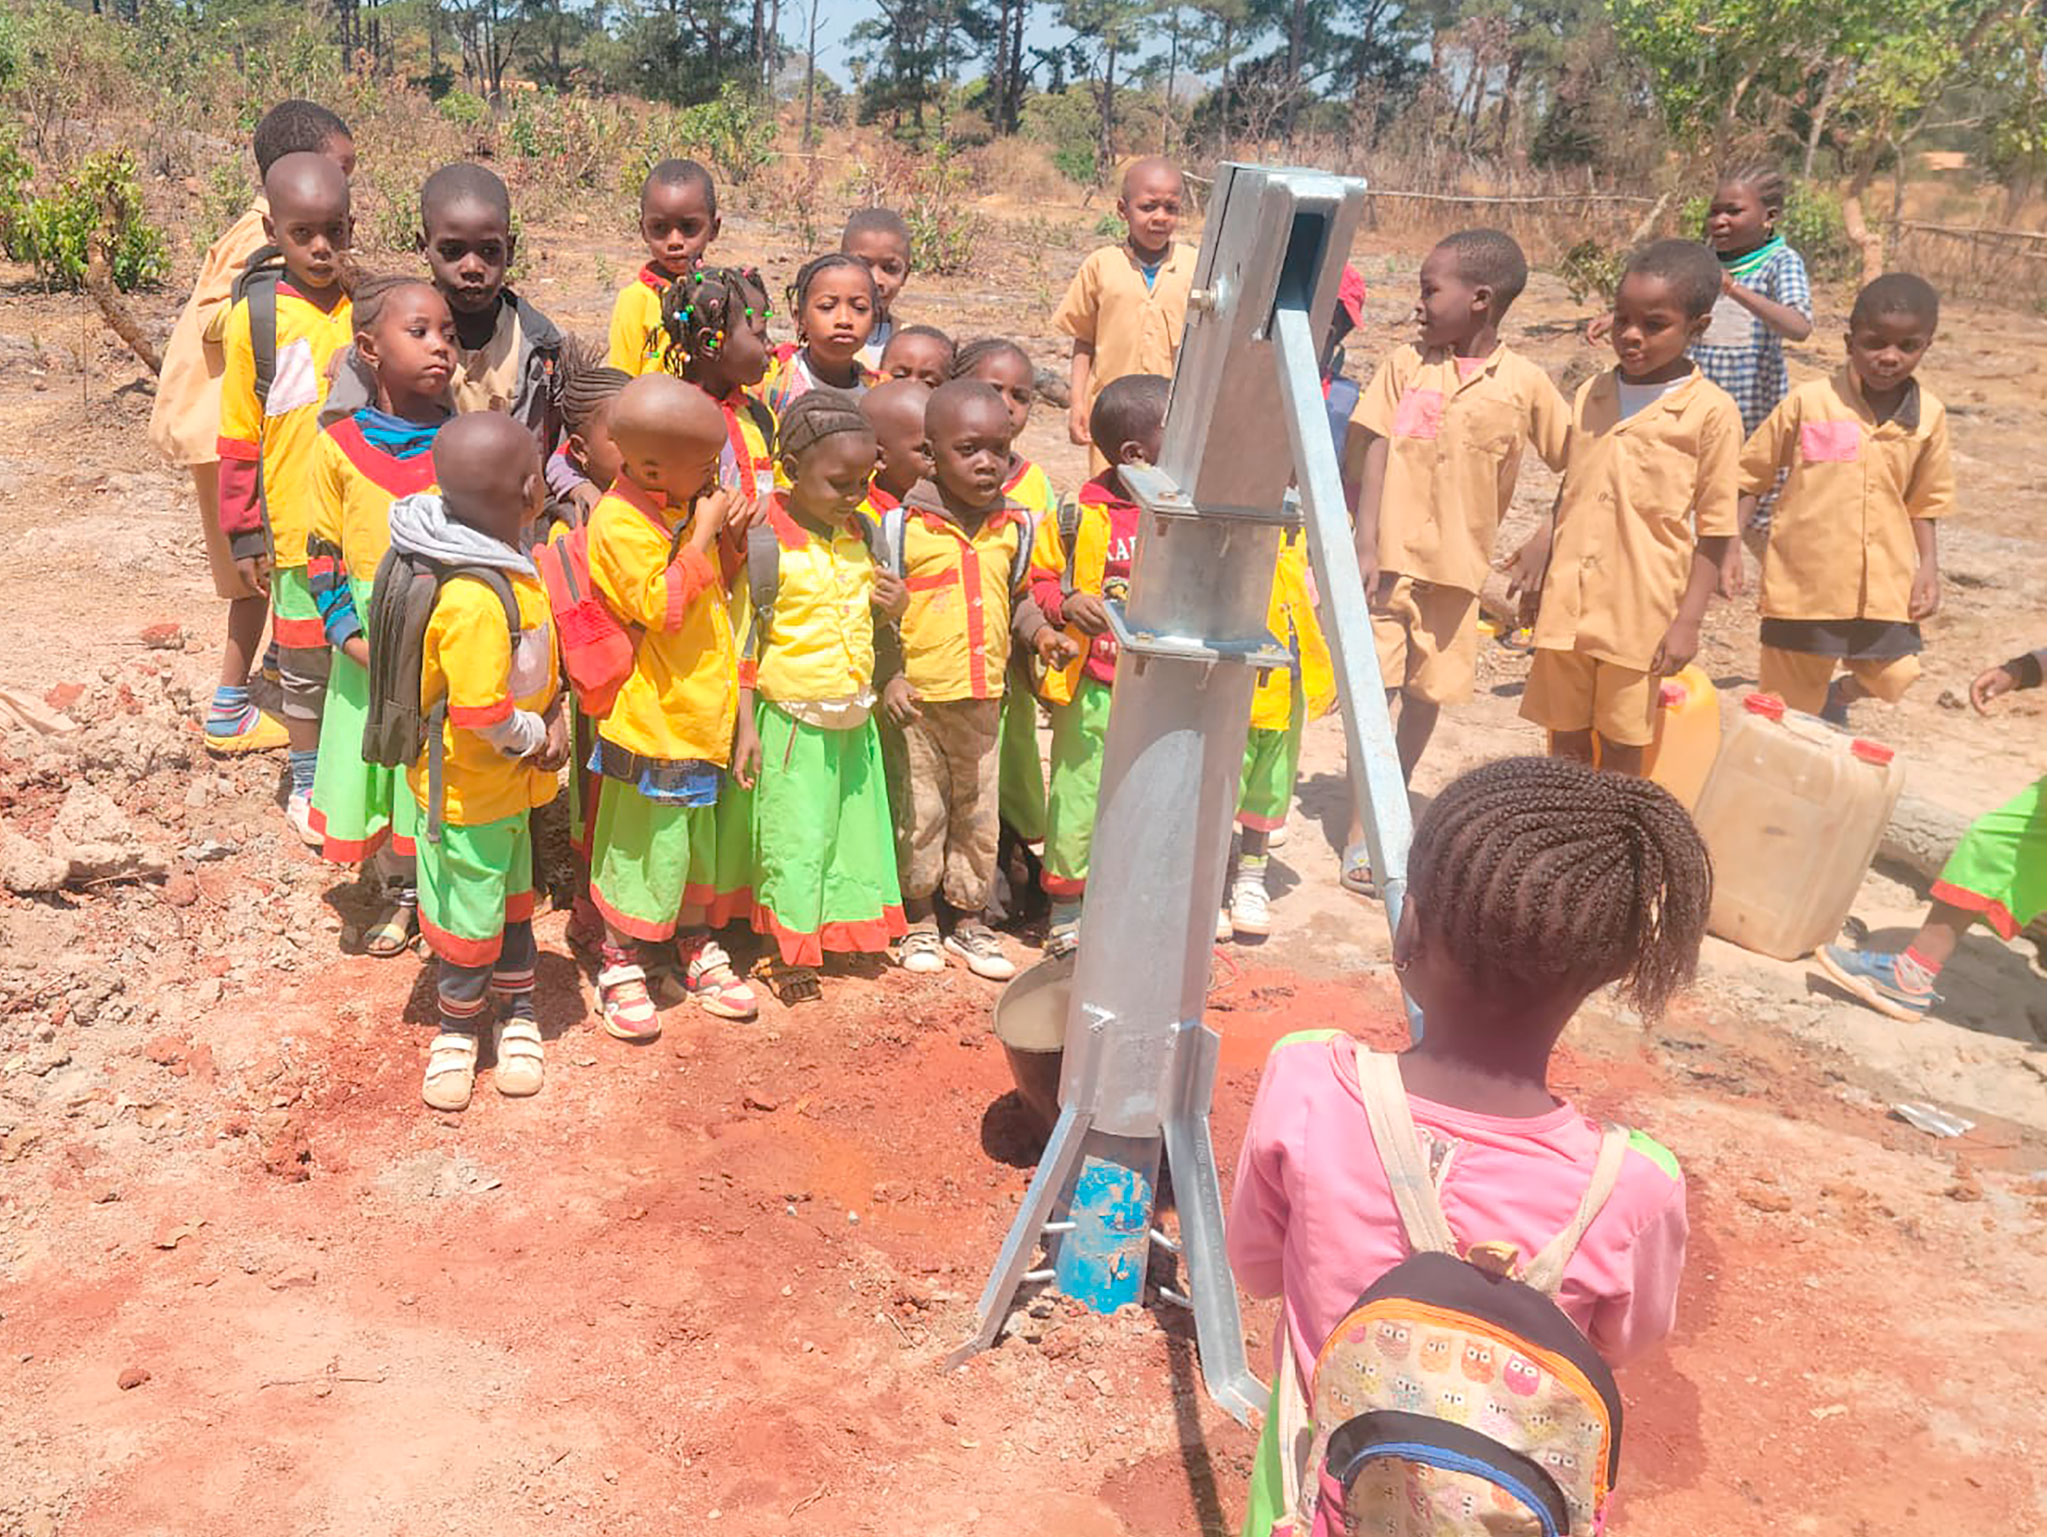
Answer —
1246 421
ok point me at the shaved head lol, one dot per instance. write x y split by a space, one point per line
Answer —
308 186
897 406
488 469
669 433
1149 171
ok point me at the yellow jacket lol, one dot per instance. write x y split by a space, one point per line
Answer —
1292 618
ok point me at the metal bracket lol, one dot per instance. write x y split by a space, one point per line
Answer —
1265 653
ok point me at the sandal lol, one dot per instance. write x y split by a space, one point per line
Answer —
794 984
392 934
1355 875
451 1071
629 1014
520 1060
711 981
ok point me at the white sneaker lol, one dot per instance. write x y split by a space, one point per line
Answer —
1277 836
1225 929
299 812
921 951
1248 915
982 951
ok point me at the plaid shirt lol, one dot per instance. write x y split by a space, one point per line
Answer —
1755 374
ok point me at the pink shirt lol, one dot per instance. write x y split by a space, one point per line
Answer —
1313 1221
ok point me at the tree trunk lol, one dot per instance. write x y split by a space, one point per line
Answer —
1817 125
1297 45
1105 149
810 73
1507 105
1015 106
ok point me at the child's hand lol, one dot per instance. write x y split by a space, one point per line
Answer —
1733 577
1925 596
584 497
746 752
1085 612
1077 424
554 748
891 595
1728 284
899 702
1597 329
711 513
746 511
255 571
1680 644
1054 648
357 650
1990 684
1525 567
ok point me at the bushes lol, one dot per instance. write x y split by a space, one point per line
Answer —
54 232
933 192
1811 224
735 131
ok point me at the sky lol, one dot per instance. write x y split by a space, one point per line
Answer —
836 18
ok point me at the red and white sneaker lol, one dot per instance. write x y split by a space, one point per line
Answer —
629 1013
711 981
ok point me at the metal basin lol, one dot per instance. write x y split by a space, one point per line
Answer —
1031 1022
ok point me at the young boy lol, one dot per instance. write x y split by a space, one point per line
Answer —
1643 518
896 411
1083 557
676 724
678 219
1850 568
1443 425
184 424
266 443
965 550
924 353
504 742
1127 306
879 237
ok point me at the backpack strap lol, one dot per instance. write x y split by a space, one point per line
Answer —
1020 564
889 541
764 580
1068 521
1545 1273
764 421
258 285
1393 1135
437 717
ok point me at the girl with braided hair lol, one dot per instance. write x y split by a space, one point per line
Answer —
834 301
824 874
1533 882
716 324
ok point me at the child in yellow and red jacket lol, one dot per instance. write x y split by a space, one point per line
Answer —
678 219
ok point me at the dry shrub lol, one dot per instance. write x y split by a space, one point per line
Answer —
1021 171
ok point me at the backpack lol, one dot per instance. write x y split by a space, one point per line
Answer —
257 282
887 543
598 647
402 602
764 569
1456 1397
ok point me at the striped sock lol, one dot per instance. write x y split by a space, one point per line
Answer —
1915 973
459 1015
231 714
303 764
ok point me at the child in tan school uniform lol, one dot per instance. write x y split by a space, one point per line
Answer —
1127 306
1850 569
1644 516
184 424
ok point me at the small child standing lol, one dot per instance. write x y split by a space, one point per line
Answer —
1850 569
1645 514
504 742
965 549
268 430
923 353
879 237
824 852
895 410
1533 882
678 219
1127 306
833 298
361 465
675 726
1082 559
184 423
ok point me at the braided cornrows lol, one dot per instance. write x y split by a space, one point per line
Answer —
1544 876
1762 178
699 311
587 382
371 291
817 414
971 355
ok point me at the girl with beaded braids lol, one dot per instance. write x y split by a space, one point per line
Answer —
834 301
1533 882
824 874
716 325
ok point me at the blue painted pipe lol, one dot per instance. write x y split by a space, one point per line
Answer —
1101 1263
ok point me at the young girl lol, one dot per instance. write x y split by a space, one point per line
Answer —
717 328
834 300
1533 882
824 877
1002 363
406 336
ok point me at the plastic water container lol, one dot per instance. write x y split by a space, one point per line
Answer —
1792 814
1688 735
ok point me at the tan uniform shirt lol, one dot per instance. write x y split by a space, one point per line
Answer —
1134 329
184 424
1842 536
1638 495
1454 444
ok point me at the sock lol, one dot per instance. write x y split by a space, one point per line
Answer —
459 1016
1252 867
1915 972
231 713
303 764
616 955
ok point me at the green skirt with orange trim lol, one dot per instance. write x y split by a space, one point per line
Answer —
824 851
357 806
474 881
655 864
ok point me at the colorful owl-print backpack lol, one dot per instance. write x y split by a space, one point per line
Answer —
1455 1399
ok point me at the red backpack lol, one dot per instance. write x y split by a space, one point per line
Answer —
597 646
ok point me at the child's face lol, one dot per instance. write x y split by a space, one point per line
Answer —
1737 220
1885 349
896 412
1651 326
1150 207
969 444
743 357
468 246
838 314
412 346
888 258
595 450
341 149
923 358
830 478
1015 380
313 234
1448 309
677 223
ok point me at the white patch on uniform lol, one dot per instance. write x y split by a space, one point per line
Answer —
296 382
532 659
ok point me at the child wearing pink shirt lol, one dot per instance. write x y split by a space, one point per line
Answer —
1533 882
